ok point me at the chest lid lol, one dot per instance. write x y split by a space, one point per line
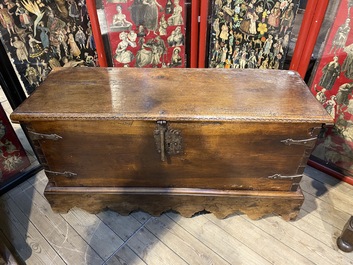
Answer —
173 95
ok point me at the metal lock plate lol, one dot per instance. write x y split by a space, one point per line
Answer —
168 141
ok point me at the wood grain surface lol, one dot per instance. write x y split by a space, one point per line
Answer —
173 94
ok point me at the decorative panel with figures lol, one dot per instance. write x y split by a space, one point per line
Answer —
250 33
145 33
13 158
332 84
40 35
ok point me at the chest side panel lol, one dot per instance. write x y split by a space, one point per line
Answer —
221 155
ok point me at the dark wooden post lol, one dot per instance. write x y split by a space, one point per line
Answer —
345 241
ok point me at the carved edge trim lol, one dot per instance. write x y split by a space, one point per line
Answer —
188 205
83 116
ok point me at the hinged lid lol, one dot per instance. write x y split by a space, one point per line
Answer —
172 94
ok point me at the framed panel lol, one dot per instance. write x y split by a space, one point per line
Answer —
332 84
40 35
144 33
13 158
15 95
250 33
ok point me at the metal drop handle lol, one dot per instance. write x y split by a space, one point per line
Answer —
299 142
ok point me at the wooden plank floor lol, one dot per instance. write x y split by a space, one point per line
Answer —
43 237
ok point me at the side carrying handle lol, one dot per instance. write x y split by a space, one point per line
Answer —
309 141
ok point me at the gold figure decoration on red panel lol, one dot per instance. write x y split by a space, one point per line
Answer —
250 33
144 33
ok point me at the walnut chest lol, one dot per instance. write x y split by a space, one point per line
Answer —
182 139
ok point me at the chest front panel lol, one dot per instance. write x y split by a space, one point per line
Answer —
222 155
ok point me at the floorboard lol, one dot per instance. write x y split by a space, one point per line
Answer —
72 248
94 232
190 249
151 250
298 240
324 211
123 226
252 235
33 247
229 247
125 256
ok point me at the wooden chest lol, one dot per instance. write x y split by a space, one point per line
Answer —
182 139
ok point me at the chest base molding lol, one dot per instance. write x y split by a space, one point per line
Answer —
186 201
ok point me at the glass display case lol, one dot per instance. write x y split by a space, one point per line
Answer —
17 161
331 81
